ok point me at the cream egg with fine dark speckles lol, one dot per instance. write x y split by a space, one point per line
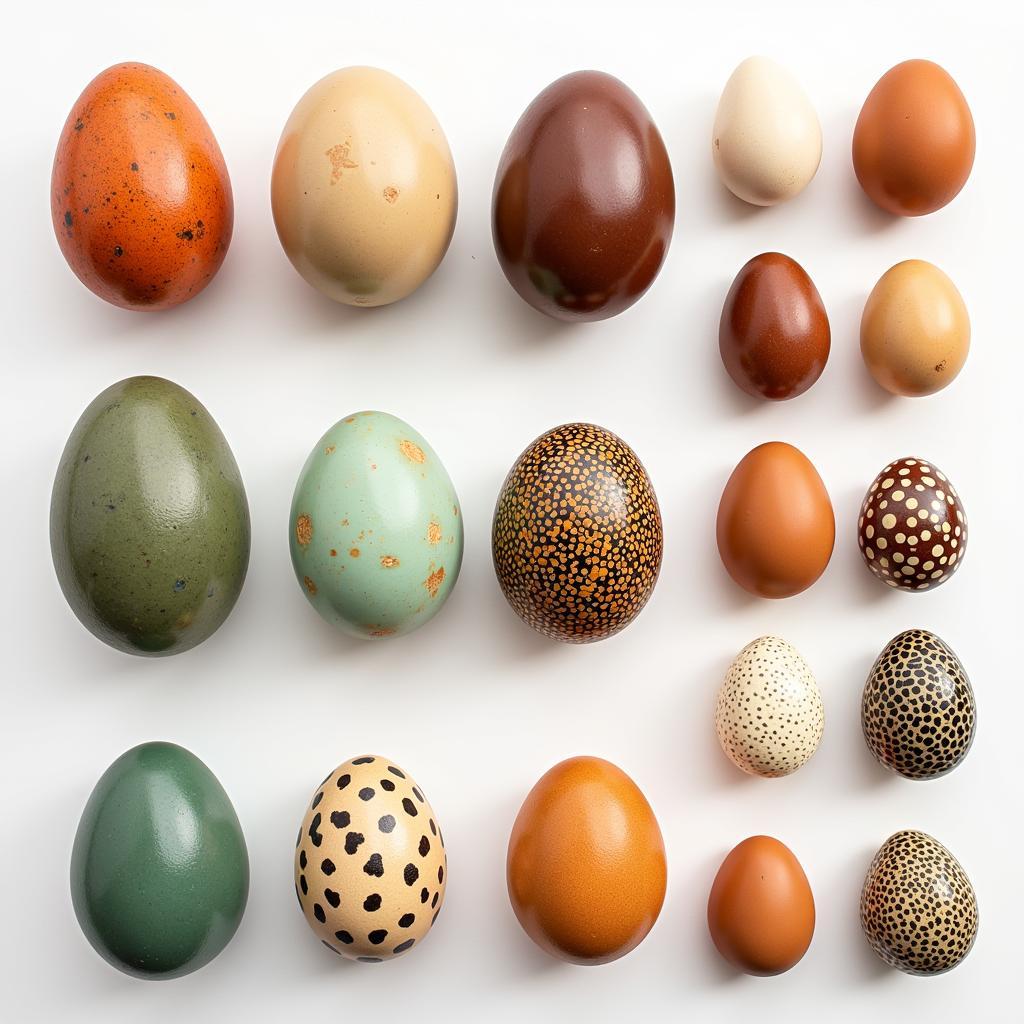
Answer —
912 529
375 527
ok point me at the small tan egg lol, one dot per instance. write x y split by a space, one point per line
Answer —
769 716
363 190
915 332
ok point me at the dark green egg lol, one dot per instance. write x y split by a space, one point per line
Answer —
159 869
149 524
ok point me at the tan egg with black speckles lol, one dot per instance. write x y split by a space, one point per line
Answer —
912 529
363 190
769 716
370 863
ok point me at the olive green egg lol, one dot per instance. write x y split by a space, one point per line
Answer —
149 524
376 528
159 867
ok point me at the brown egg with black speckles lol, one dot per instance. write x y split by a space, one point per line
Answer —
140 195
584 201
912 529
577 535
774 334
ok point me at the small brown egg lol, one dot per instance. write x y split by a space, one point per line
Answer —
586 863
761 908
915 332
913 147
912 529
776 528
774 333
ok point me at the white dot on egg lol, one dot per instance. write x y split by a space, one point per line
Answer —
898 495
888 521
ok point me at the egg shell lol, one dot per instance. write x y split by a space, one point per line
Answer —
918 908
586 863
584 201
761 908
913 146
769 716
363 189
774 335
775 528
766 141
149 522
918 711
140 195
577 535
159 867
370 864
915 332
912 529
376 528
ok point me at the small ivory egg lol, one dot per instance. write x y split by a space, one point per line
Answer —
769 717
370 862
918 908
766 141
918 711
363 190
761 909
915 332
776 528
913 146
912 529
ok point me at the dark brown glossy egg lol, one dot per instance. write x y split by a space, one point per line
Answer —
584 201
577 537
774 334
912 529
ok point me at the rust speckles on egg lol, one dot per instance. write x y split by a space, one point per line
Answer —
389 562
391 194
354 552
434 533
412 451
338 155
433 581
310 585
304 529
577 534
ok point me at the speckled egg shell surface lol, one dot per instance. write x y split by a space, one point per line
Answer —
912 529
918 908
149 524
370 863
140 195
364 193
769 717
918 709
376 528
577 535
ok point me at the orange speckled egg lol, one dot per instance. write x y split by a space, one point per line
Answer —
140 195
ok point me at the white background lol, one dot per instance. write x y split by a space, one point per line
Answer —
476 706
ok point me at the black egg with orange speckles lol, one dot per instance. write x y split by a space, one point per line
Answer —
918 711
918 908
912 529
577 535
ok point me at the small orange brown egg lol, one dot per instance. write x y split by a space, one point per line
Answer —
140 195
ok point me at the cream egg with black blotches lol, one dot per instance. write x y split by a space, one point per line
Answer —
770 715
370 863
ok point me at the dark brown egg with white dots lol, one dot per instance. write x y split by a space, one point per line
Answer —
912 529
918 908
918 707
576 537
370 864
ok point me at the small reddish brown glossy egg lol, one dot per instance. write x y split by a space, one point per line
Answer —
912 529
913 147
761 908
140 195
774 334
584 200
586 863
776 528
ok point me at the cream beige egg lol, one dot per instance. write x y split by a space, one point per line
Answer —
370 863
915 332
769 717
364 192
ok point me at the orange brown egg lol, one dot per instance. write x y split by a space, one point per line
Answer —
140 195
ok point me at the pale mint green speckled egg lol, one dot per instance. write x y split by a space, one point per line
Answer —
376 528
